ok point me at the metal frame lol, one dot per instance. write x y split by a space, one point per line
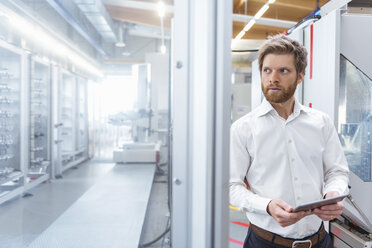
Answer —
201 80
346 238
55 123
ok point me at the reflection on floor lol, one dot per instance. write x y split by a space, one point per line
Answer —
238 228
23 219
157 216
65 211
110 214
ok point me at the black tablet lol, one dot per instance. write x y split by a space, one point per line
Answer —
317 204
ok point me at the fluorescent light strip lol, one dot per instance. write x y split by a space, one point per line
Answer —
48 42
257 16
240 35
249 25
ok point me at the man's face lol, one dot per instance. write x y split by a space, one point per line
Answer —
279 77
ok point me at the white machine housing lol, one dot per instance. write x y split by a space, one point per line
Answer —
336 36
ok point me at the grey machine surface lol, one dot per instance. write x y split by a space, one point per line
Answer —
340 84
355 125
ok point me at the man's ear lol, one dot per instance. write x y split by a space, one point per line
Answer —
300 77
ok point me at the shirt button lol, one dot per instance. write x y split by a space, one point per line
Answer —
295 178
289 141
298 198
292 159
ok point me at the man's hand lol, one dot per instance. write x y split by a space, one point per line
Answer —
329 212
282 212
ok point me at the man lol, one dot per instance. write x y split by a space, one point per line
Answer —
289 154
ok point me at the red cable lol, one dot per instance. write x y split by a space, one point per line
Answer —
311 51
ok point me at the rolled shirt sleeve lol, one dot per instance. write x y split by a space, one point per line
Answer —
336 171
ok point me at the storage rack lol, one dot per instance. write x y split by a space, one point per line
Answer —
82 125
39 133
11 175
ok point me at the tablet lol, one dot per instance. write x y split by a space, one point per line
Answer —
317 204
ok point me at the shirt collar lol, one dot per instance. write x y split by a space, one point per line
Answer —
266 107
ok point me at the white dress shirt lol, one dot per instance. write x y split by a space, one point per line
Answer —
297 160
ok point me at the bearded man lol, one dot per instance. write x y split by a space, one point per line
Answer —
289 154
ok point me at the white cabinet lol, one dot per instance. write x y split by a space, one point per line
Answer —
82 120
39 123
43 121
11 163
72 146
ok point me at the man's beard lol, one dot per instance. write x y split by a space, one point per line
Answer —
281 96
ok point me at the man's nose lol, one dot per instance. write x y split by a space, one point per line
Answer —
274 77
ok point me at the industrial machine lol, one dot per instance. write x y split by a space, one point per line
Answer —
338 82
142 148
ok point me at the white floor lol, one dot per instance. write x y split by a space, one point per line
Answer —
94 202
60 211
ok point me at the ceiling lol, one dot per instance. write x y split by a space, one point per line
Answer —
144 12
138 11
288 10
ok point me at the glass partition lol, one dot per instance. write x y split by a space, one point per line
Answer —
355 118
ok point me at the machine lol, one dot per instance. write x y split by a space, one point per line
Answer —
142 148
339 82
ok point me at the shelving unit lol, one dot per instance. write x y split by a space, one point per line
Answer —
67 117
81 151
11 172
39 144
33 95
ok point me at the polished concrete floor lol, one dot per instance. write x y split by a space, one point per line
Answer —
25 220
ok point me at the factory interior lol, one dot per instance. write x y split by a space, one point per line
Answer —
115 115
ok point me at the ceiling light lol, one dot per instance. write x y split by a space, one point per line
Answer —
253 21
249 25
240 35
261 12
163 49
45 40
126 54
161 9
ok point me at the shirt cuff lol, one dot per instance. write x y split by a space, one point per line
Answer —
257 205
338 188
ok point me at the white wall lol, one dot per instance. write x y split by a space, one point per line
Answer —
256 91
241 102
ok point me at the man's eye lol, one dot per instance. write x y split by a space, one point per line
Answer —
284 70
266 70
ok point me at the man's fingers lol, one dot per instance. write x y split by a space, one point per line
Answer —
285 206
282 213
337 206
335 213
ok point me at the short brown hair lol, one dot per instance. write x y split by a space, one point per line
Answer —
282 44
